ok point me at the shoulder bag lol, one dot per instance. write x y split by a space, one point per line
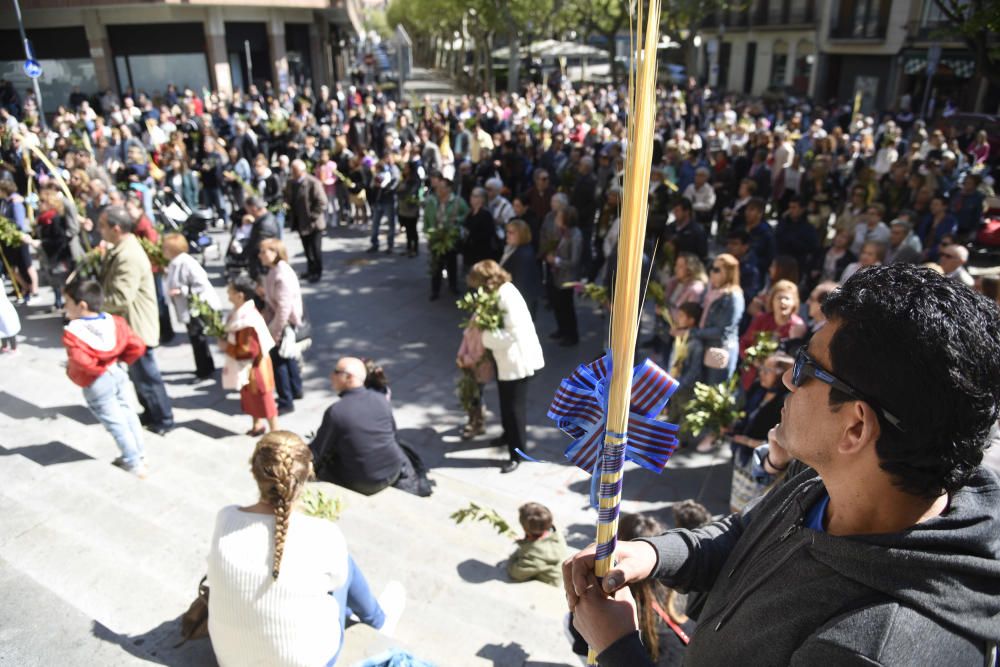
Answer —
194 622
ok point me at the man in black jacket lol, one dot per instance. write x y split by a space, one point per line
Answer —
685 233
356 445
883 550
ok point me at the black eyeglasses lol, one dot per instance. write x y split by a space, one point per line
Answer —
806 367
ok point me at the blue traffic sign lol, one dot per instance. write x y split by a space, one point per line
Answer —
32 69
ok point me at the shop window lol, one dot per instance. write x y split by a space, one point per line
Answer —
146 62
57 80
297 48
153 72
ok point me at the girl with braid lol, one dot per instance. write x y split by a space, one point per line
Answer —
283 583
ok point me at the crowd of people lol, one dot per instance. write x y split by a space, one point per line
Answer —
756 216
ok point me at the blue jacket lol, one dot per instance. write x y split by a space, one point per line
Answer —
722 322
798 239
762 246
932 243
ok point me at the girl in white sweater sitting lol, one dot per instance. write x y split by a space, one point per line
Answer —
282 583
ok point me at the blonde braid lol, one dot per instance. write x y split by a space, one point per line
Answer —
281 464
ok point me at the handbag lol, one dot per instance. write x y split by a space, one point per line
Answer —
194 622
295 339
716 357
303 330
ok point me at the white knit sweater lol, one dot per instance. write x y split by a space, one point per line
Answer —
293 621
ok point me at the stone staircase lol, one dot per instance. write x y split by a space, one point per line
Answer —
117 559
96 566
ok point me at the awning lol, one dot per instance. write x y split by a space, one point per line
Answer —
960 67
551 48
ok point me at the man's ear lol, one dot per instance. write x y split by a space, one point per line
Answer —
861 427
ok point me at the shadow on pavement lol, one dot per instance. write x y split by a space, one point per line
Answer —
477 572
48 454
159 645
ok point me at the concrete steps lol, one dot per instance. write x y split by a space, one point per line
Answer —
138 548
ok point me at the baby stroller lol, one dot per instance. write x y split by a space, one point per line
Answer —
174 215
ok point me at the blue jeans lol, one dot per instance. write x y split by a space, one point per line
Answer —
356 597
107 399
287 379
379 211
152 394
279 217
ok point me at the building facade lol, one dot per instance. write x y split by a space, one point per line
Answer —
833 50
765 45
144 46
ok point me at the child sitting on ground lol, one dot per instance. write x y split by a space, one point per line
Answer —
95 342
541 553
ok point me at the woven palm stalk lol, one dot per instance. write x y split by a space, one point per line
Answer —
628 281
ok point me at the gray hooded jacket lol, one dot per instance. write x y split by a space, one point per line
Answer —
783 594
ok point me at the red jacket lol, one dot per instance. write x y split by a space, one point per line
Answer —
94 343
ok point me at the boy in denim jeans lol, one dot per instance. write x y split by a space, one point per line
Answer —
95 342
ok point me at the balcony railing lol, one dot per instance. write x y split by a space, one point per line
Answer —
769 13
865 31
921 31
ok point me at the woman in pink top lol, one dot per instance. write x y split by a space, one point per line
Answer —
283 308
980 148
781 318
687 284
326 172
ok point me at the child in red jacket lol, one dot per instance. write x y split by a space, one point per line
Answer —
95 342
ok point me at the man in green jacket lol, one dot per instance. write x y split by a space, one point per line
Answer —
443 211
127 279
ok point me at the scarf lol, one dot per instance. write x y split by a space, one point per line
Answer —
236 372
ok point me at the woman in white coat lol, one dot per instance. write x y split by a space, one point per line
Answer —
517 352
185 276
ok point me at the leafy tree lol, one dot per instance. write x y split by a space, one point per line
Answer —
606 18
977 22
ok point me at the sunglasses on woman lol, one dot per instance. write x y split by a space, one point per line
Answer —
806 367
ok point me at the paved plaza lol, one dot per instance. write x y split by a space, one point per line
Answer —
97 566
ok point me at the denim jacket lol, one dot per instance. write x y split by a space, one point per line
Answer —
721 324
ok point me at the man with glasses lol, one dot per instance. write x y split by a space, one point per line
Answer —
952 259
883 548
539 195
355 446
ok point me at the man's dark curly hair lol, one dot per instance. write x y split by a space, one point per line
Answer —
926 348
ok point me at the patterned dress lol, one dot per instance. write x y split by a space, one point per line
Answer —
257 396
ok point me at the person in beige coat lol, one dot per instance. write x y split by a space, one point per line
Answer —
127 280
518 354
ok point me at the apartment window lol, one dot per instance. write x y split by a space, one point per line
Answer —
776 12
801 11
860 19
779 64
